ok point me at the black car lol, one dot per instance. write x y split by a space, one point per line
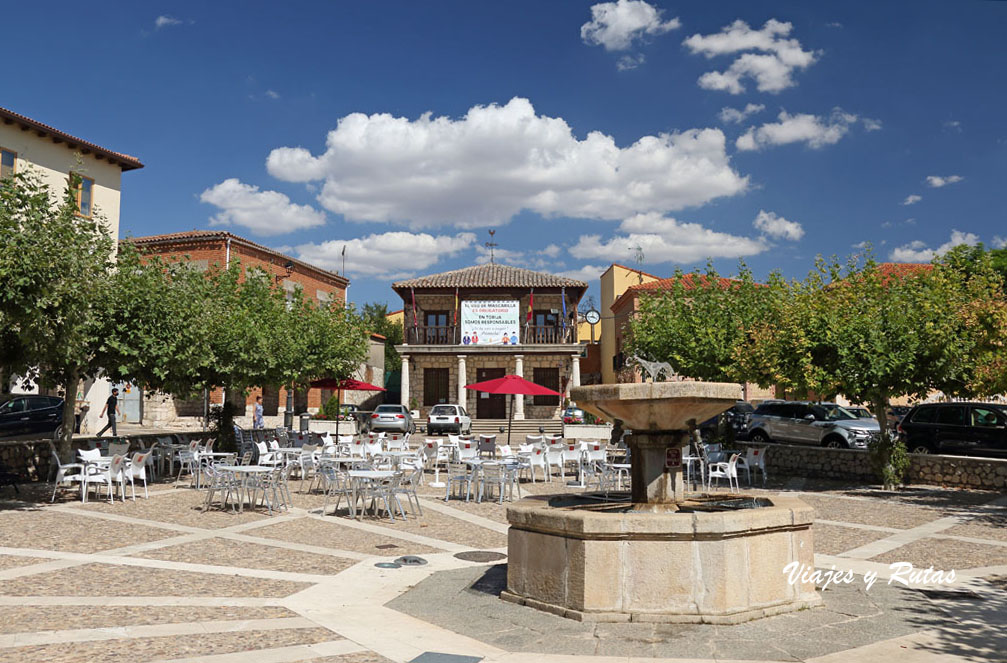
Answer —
736 418
971 429
26 415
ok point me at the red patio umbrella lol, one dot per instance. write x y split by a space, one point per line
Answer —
349 384
511 384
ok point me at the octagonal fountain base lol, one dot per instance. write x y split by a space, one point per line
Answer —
706 560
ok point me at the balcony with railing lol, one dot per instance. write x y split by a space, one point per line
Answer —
450 335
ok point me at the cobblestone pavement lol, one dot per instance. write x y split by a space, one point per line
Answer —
160 579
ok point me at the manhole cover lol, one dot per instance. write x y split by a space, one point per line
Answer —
388 565
410 560
480 556
386 546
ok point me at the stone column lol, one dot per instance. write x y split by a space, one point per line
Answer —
462 379
405 381
653 482
518 399
575 371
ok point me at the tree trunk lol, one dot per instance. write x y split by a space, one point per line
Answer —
64 442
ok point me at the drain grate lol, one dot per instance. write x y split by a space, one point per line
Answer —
951 594
480 556
410 560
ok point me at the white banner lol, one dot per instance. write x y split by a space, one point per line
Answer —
490 322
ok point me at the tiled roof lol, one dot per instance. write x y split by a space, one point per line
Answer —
490 275
689 281
195 236
124 161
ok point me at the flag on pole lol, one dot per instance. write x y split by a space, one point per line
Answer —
456 306
563 297
531 305
415 321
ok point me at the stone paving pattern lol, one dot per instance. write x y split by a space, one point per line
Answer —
71 571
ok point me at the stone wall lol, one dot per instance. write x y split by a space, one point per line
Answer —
853 464
32 459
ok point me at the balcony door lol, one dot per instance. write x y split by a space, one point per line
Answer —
436 329
490 406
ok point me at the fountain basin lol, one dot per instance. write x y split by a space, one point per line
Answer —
609 562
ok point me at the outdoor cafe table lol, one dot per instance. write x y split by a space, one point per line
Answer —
359 477
396 456
244 472
511 464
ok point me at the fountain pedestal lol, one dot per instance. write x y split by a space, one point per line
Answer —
656 555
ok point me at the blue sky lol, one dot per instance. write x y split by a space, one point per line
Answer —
580 131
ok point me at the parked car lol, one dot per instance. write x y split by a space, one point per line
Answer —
26 415
859 412
448 419
896 413
803 422
573 415
737 418
971 429
395 418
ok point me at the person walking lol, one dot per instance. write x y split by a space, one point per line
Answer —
112 407
258 422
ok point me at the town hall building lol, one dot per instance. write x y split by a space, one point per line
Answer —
483 322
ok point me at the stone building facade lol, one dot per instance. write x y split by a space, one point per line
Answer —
438 359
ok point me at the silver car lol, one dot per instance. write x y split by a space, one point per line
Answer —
803 422
395 418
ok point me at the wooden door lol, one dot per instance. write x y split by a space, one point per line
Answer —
490 406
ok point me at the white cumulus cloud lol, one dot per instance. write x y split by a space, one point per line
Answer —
917 250
871 124
777 226
262 212
937 181
813 130
390 255
588 273
999 242
617 25
165 21
738 115
912 199
483 168
664 239
768 56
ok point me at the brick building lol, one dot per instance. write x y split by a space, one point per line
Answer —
482 322
206 248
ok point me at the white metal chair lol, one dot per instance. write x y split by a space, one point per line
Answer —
460 474
496 475
358 448
467 449
372 449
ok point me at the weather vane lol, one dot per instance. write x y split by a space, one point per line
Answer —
491 244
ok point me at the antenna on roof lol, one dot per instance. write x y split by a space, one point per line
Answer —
491 245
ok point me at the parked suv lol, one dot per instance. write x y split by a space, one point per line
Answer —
25 415
449 419
394 418
802 422
972 429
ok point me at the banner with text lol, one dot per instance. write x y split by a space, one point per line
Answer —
490 323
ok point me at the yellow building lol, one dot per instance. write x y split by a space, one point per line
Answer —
614 282
27 145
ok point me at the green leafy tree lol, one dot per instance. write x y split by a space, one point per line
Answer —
375 317
55 267
698 325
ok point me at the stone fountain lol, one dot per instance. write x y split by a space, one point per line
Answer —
656 555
